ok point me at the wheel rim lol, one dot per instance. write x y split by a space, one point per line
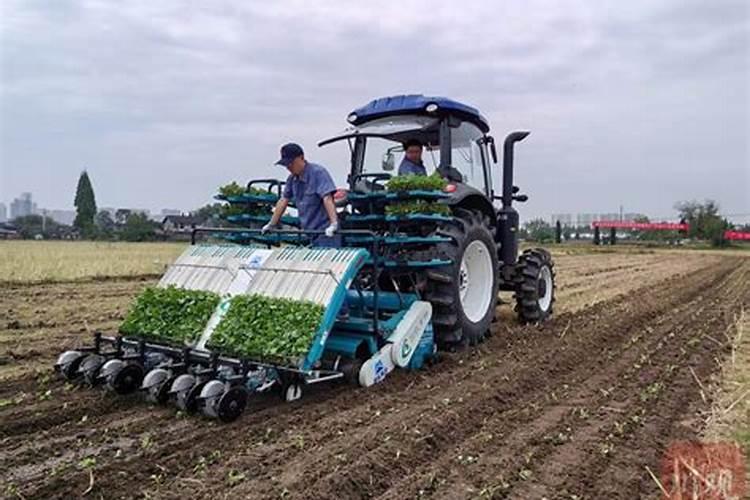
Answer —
293 392
545 288
475 281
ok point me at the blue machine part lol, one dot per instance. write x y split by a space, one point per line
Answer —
355 338
425 349
329 317
416 104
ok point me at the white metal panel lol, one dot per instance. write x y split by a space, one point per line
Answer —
207 267
306 274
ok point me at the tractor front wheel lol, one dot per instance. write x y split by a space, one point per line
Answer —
535 285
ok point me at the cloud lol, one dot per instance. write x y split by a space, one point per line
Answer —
639 103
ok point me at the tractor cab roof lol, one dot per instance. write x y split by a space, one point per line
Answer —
399 118
420 105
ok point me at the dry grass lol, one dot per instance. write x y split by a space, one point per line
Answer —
40 261
729 419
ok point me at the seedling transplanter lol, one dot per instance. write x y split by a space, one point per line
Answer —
422 261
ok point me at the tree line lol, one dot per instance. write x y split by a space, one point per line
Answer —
704 221
90 223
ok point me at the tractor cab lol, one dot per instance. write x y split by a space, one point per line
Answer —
454 137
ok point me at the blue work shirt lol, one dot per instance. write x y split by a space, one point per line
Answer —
408 167
308 192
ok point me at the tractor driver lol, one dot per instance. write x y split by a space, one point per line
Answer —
412 162
312 188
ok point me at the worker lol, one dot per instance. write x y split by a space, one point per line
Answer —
412 162
312 188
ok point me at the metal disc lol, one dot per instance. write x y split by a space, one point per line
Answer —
210 394
162 391
153 382
90 367
180 388
232 403
68 364
191 397
109 370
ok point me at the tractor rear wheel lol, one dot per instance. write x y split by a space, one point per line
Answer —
535 285
464 294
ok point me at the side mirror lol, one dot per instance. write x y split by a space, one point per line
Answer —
389 162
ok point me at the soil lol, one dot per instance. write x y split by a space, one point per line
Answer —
578 407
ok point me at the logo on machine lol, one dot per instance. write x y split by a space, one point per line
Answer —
380 371
255 261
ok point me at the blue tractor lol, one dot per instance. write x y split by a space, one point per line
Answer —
457 262
414 279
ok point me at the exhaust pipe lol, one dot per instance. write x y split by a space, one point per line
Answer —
507 217
508 144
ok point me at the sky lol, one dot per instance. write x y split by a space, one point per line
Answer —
640 103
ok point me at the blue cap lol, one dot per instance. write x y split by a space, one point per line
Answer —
288 153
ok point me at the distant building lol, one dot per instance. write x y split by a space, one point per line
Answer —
62 216
22 206
165 212
586 219
180 223
110 210
120 215
3 212
631 217
566 220
8 231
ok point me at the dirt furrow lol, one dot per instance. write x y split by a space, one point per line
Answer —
576 406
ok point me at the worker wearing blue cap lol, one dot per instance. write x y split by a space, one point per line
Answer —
312 188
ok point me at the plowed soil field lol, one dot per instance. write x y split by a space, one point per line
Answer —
577 407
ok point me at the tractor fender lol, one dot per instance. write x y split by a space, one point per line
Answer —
469 198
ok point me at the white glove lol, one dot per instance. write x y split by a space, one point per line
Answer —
330 230
266 228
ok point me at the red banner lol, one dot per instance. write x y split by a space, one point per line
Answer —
736 235
647 226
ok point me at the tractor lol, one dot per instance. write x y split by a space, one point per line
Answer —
422 262
482 240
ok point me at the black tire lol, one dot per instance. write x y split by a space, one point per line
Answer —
351 369
534 273
128 379
452 325
232 403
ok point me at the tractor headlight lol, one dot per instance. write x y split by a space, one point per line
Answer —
431 108
352 118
